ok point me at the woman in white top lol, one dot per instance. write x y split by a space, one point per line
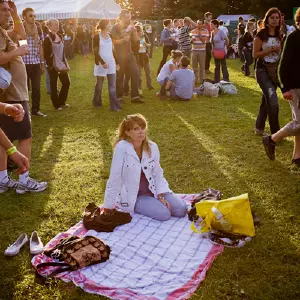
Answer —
136 182
166 71
105 66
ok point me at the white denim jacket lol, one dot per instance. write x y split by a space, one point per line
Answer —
123 184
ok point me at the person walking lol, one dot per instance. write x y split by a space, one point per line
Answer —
267 49
54 48
289 67
105 66
248 47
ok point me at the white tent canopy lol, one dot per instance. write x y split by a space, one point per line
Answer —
68 9
228 18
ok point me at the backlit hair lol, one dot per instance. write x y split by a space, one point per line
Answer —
102 24
248 26
127 124
51 22
265 24
25 11
176 54
297 17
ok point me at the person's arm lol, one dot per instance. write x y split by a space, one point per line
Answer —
194 24
172 68
286 63
18 24
6 57
42 58
48 51
165 37
96 48
17 157
115 181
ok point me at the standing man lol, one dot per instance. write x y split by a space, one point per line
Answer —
200 36
207 20
184 43
17 93
241 31
34 61
123 35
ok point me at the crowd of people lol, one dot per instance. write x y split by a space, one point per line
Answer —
121 52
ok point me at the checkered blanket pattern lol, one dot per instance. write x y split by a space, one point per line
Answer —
149 260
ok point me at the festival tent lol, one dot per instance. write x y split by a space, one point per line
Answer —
70 9
234 18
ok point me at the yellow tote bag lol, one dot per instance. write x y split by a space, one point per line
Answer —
234 211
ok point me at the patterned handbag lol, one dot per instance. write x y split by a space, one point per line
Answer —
75 253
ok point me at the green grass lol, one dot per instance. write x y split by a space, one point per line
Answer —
208 142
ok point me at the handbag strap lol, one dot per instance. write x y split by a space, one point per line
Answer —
54 264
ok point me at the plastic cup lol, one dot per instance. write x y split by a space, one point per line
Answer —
23 42
195 95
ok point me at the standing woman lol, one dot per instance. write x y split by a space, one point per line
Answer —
105 65
266 49
219 41
248 47
54 50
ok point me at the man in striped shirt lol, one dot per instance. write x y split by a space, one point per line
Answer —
34 61
200 36
184 43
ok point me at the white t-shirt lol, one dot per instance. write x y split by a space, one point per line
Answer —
224 29
273 56
165 71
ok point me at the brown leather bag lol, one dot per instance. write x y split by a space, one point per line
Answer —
95 219
76 253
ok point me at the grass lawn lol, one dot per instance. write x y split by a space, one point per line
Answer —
207 142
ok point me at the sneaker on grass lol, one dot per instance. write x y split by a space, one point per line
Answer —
31 186
7 183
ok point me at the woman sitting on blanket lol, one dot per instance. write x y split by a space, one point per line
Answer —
136 182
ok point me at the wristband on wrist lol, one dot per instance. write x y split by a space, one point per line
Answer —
5 112
11 150
18 22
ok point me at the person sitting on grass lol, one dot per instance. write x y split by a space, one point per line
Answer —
181 83
136 182
166 71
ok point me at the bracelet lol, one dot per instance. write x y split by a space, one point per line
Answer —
18 22
11 150
5 112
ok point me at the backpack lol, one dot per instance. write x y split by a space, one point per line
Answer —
75 253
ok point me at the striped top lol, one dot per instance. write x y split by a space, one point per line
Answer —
184 40
197 44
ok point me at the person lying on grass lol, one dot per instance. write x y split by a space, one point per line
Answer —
181 83
136 182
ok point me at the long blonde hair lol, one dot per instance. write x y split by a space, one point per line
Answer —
127 124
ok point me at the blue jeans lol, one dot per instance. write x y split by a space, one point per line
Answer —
153 208
219 63
97 101
269 105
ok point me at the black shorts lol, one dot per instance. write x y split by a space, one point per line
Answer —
17 131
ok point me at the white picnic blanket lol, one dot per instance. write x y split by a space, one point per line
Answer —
149 260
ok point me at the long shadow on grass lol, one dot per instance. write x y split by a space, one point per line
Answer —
272 256
24 213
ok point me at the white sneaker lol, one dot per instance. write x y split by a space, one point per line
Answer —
14 249
31 186
36 245
6 183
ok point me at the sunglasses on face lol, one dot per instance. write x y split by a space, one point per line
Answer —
31 16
